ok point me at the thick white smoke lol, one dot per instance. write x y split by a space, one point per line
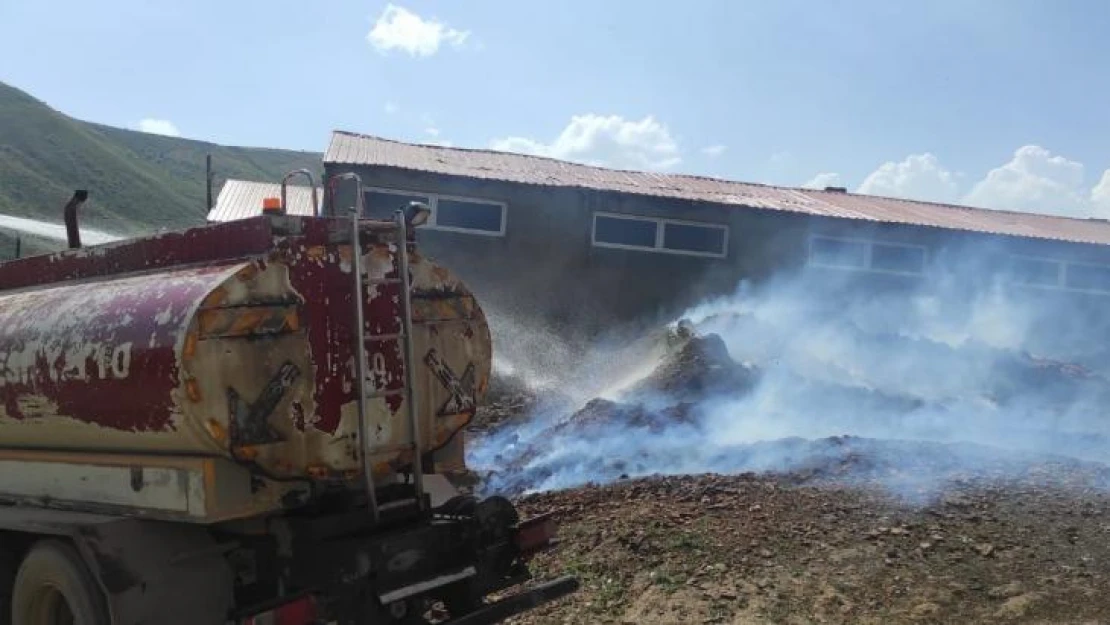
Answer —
53 231
911 370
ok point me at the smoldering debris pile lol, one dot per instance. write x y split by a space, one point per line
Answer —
508 398
703 409
695 367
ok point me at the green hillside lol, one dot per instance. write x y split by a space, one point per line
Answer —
137 182
28 245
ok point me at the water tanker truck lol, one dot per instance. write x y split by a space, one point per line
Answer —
246 423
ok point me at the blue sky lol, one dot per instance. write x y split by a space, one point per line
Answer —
998 103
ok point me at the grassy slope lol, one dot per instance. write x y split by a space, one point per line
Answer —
137 182
29 245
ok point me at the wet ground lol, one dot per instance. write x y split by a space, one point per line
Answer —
851 528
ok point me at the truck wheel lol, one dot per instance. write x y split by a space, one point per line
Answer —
53 587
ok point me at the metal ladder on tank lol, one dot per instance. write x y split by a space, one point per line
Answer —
365 391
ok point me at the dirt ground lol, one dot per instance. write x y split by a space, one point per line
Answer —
762 549
871 531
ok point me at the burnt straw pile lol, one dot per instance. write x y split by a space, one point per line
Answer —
703 410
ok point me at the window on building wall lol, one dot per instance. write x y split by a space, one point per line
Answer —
864 255
842 253
455 214
1059 275
660 235
1035 271
897 258
1086 277
697 238
469 215
381 204
611 230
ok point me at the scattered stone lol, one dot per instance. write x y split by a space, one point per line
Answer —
823 544
925 610
1019 606
1005 591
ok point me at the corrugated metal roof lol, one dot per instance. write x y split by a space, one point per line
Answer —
355 149
241 199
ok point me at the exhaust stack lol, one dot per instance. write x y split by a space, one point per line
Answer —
73 234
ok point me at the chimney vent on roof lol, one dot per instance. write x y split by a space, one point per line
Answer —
837 189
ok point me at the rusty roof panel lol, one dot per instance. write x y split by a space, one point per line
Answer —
355 149
240 199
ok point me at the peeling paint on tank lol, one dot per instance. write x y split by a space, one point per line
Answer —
36 406
345 254
166 315
379 262
84 347
157 314
172 249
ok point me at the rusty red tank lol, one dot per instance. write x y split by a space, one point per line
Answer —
237 341
243 423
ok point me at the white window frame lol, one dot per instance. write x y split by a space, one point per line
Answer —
1061 276
866 254
433 204
868 249
1061 272
660 229
1064 277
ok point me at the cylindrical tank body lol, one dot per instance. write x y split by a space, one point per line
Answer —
250 358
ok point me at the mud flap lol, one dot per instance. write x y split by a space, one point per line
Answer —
154 572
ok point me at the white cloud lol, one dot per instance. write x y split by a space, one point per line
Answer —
825 179
714 150
919 177
1100 195
397 28
158 127
434 138
1034 180
390 108
610 141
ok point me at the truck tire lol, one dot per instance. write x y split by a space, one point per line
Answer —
8 565
53 587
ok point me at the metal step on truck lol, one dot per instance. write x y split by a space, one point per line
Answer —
241 423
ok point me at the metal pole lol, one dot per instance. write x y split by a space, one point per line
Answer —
410 357
208 179
73 231
359 332
18 246
360 365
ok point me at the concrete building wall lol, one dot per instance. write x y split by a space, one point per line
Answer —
545 265
545 262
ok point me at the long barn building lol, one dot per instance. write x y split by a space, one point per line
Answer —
578 243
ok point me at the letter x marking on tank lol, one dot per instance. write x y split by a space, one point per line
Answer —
461 389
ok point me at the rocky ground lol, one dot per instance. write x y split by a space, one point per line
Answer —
860 530
777 549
